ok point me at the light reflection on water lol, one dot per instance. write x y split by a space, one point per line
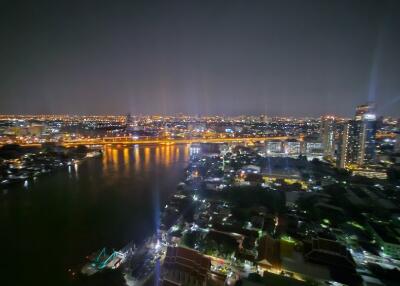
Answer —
101 202
122 158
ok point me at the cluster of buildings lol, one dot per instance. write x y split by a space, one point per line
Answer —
313 148
363 144
359 144
243 216
175 127
348 143
24 165
263 212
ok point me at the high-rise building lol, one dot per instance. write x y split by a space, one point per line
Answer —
343 144
367 139
366 119
397 143
357 141
348 147
328 135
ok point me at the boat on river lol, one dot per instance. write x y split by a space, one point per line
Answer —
102 259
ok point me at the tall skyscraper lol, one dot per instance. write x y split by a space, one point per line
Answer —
357 142
349 144
328 135
397 143
342 154
366 119
367 139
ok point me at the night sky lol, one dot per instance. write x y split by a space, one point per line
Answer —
300 58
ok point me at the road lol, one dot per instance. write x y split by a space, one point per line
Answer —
133 141
130 140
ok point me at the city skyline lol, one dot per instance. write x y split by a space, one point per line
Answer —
124 115
289 59
200 143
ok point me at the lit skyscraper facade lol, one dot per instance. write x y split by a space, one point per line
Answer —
366 118
357 142
367 139
397 143
328 135
342 154
349 144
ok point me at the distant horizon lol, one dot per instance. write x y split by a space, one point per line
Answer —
188 115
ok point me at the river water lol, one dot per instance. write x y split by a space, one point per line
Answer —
51 224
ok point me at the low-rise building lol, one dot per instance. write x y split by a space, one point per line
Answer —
387 237
184 266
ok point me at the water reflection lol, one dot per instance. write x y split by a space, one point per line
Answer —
114 158
100 202
146 157
138 158
127 160
76 169
157 155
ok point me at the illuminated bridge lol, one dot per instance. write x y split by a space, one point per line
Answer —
130 140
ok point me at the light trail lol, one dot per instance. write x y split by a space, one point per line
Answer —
131 141
128 141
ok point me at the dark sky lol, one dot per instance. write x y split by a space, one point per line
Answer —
301 58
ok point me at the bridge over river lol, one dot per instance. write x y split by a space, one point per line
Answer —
155 141
131 140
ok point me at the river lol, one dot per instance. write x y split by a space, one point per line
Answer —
51 224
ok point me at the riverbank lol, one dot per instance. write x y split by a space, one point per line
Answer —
63 216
